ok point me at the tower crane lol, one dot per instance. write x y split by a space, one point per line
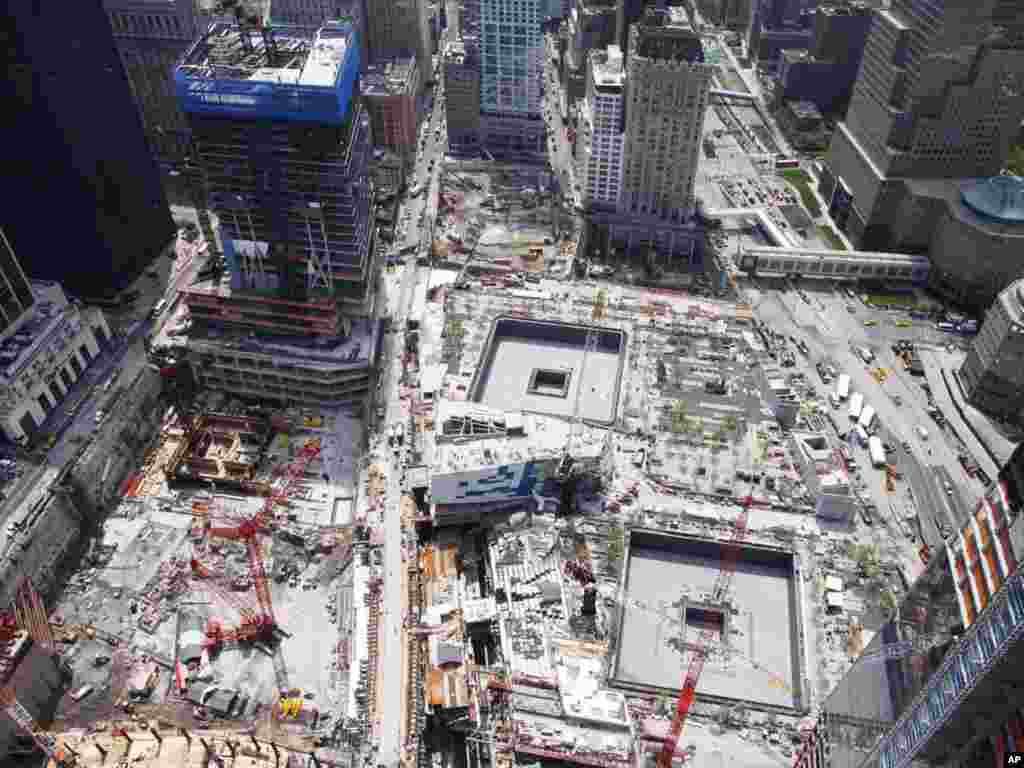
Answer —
730 553
726 651
30 616
590 345
249 530
250 628
45 741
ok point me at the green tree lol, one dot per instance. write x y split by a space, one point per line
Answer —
616 545
1015 163
730 423
887 602
680 420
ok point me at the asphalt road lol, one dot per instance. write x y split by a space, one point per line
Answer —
397 411
559 148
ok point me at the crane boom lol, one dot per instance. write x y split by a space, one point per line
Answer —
730 552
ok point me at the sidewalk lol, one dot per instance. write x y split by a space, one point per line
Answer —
944 388
996 443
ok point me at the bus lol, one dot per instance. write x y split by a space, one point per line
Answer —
787 162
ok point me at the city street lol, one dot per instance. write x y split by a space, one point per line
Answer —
397 412
559 147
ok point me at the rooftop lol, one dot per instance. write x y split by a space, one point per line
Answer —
667 34
390 78
992 206
824 470
804 110
287 72
1000 198
50 317
469 435
607 66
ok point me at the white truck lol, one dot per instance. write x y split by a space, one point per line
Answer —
877 452
867 418
843 386
856 405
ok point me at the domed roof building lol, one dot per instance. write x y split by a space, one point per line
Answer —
1000 198
971 229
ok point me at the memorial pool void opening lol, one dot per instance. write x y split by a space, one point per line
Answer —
548 367
755 650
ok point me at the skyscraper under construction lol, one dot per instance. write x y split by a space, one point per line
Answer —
283 145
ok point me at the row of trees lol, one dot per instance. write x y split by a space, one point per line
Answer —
684 423
616 545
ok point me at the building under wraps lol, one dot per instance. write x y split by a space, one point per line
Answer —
284 149
943 685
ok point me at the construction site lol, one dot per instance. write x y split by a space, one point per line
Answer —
495 221
607 524
218 592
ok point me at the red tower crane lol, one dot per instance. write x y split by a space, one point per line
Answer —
251 627
30 616
730 553
248 531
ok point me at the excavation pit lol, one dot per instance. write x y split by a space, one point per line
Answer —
670 610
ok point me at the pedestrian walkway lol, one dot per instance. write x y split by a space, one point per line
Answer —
942 385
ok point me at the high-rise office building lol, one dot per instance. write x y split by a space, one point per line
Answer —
399 29
283 144
667 85
993 372
389 91
150 38
939 95
591 27
941 683
15 292
826 71
461 64
85 205
732 14
600 156
512 65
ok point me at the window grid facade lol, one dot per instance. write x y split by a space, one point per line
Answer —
512 57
